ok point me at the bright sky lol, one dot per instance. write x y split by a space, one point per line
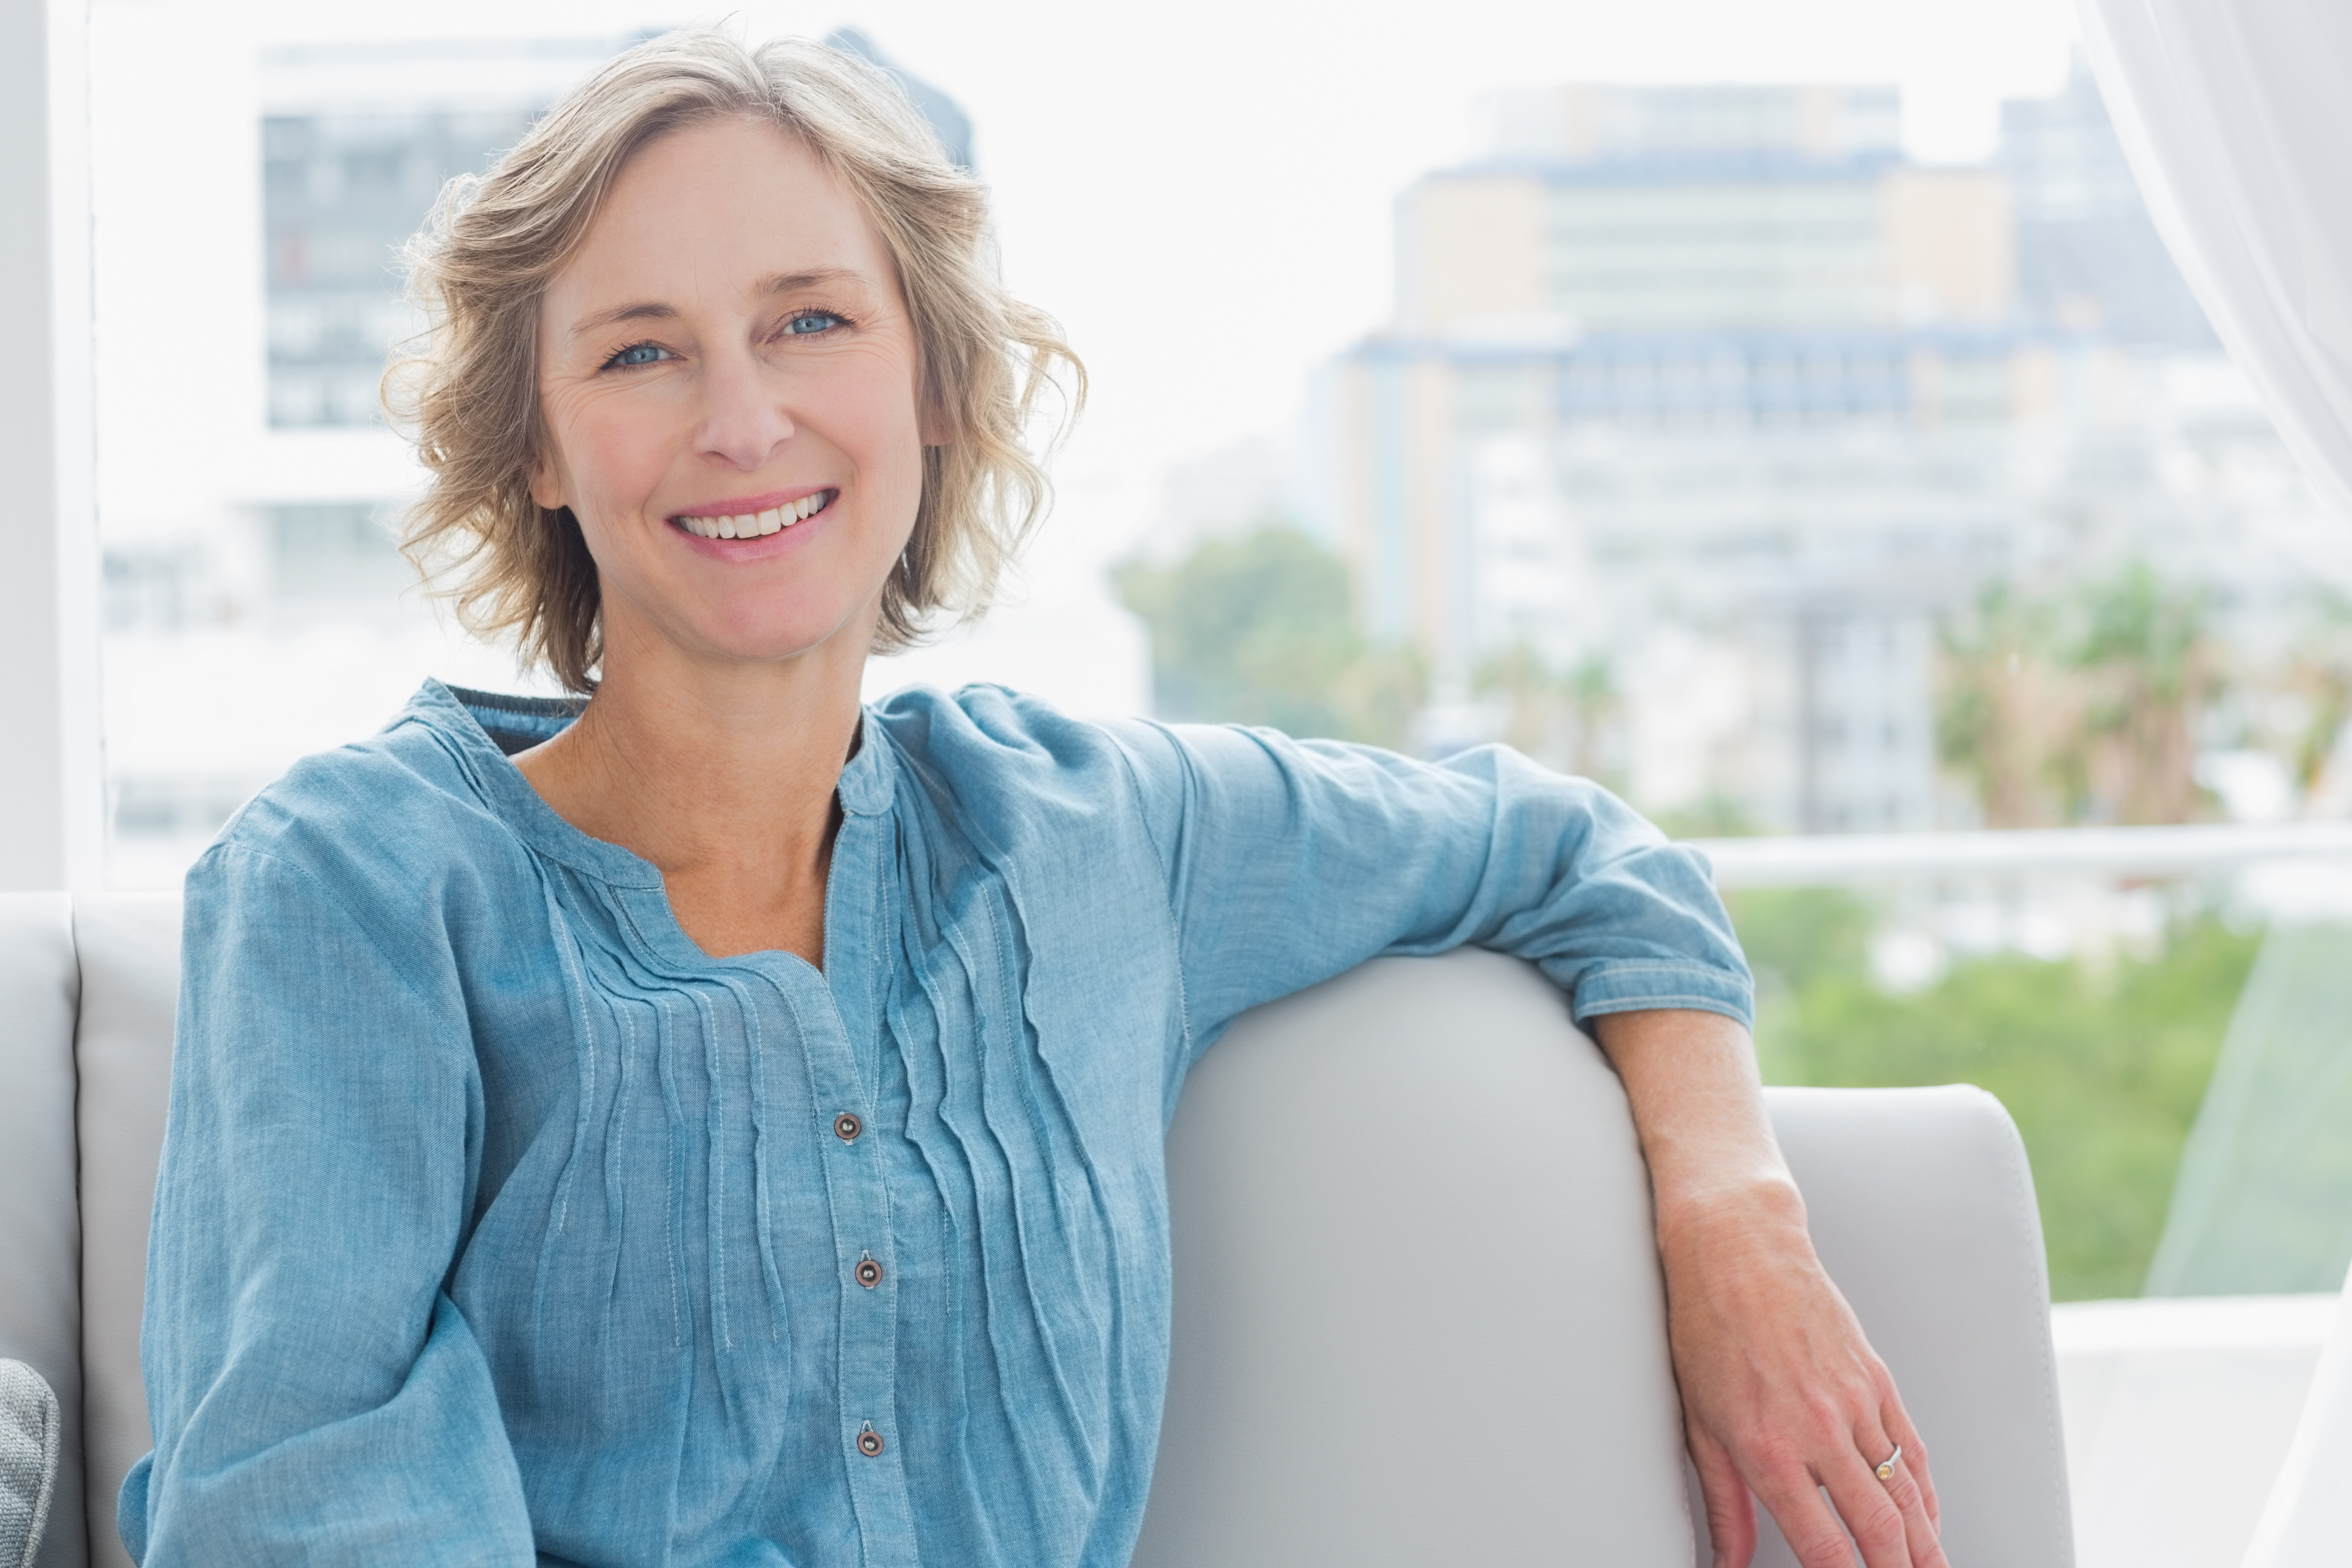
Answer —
1201 193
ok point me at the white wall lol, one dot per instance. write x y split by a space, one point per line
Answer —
51 794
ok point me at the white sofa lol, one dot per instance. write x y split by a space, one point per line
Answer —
1419 1317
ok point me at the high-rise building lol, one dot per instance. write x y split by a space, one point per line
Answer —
1719 362
1716 388
2087 254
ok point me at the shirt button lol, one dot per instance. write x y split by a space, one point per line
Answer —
869 1273
869 1441
847 1127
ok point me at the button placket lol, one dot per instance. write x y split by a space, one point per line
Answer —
837 1016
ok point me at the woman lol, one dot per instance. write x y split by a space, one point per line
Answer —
717 1123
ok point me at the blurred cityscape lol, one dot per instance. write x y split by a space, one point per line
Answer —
1719 449
1713 448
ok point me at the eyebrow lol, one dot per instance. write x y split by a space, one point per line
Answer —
774 283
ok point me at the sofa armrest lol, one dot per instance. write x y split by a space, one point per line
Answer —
1419 1317
1418 1311
40 1241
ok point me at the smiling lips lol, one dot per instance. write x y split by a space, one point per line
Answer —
754 525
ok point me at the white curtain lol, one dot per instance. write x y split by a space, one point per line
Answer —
2237 116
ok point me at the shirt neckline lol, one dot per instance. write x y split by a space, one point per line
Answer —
864 788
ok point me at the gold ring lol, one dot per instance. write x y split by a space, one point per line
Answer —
1886 1470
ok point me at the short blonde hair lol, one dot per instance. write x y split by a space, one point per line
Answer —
467 388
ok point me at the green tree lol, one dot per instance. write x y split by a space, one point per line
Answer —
2103 1068
2080 705
1570 718
2318 675
2143 647
1260 629
1994 706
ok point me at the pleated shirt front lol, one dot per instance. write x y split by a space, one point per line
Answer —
499 1224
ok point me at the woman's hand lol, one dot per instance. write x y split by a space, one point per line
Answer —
1782 1396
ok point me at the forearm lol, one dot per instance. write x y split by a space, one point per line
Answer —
1698 1108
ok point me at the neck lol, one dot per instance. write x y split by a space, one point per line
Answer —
722 774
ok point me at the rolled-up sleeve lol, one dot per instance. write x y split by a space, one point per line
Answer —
1291 861
316 1395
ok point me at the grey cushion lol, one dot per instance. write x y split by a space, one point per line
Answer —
31 1433
40 1282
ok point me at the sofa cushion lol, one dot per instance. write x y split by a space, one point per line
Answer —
40 1287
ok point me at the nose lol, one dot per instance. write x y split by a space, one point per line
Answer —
744 416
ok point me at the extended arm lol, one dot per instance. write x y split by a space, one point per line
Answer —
1290 862
1782 1394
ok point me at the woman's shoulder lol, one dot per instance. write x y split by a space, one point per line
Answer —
987 734
401 808
1012 761
989 743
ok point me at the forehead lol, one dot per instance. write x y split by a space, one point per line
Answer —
716 207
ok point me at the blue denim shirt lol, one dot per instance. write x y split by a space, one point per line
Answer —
499 1224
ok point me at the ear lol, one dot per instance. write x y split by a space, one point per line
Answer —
546 486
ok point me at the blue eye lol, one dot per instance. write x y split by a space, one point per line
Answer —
808 323
639 354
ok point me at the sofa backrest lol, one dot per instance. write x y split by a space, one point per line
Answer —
1419 1317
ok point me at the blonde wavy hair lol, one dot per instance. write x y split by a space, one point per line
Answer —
467 388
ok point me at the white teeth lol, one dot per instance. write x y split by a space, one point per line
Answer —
757 525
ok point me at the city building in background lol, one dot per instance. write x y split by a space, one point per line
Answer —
2088 256
1713 388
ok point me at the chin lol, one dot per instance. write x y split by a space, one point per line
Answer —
769 639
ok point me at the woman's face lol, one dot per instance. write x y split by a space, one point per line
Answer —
730 384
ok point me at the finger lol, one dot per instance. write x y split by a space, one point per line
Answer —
1910 1498
1807 1522
1889 1535
1897 1421
1730 1510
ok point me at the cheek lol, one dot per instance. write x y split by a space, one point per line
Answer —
610 450
878 402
